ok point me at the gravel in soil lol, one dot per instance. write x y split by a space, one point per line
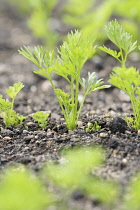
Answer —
34 147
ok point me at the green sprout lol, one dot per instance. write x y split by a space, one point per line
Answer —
93 127
39 19
41 117
9 116
71 57
20 190
131 198
88 16
126 79
74 173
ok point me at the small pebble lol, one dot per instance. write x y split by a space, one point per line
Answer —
124 97
7 138
25 131
27 139
70 131
3 159
80 124
138 132
7 131
75 139
46 86
33 88
98 62
30 123
128 132
103 135
80 98
26 148
124 160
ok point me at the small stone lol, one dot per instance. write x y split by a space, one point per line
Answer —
37 143
50 133
25 131
119 107
27 139
41 134
26 148
124 160
3 159
70 131
80 98
128 132
103 135
113 144
98 62
75 139
80 124
138 132
7 138
40 158
55 116
46 85
33 88
115 152
24 160
30 123
134 56
7 131
123 96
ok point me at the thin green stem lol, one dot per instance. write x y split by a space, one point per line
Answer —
81 105
135 108
123 58
12 106
12 103
72 89
76 97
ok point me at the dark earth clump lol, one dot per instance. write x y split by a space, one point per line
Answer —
118 125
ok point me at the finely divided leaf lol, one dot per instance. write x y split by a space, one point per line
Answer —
76 50
39 56
4 104
113 53
121 38
127 80
12 91
92 83
41 117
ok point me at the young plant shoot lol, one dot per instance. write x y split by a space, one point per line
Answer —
69 62
131 198
93 127
20 189
75 173
126 79
9 116
41 117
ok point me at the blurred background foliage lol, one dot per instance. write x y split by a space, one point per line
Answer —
50 21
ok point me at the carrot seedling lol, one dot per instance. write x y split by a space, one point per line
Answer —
75 173
71 57
126 79
131 198
9 116
93 127
41 117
